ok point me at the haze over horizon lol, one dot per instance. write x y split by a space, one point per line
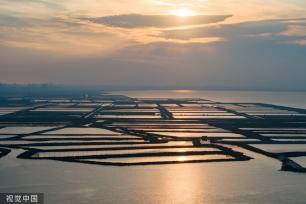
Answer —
252 44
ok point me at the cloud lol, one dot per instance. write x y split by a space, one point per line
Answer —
244 64
52 44
59 36
229 30
301 42
12 21
295 30
152 39
290 31
158 21
67 35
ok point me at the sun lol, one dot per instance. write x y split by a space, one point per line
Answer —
182 12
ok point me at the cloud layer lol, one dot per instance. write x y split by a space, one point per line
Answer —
65 42
255 55
158 21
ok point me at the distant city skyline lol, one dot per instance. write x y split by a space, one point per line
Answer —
193 44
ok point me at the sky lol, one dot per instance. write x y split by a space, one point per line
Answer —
225 44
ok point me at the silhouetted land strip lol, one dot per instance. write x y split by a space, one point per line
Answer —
4 152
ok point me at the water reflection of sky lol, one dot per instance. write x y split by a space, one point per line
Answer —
294 99
234 182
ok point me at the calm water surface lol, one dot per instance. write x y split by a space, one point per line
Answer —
254 181
294 99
